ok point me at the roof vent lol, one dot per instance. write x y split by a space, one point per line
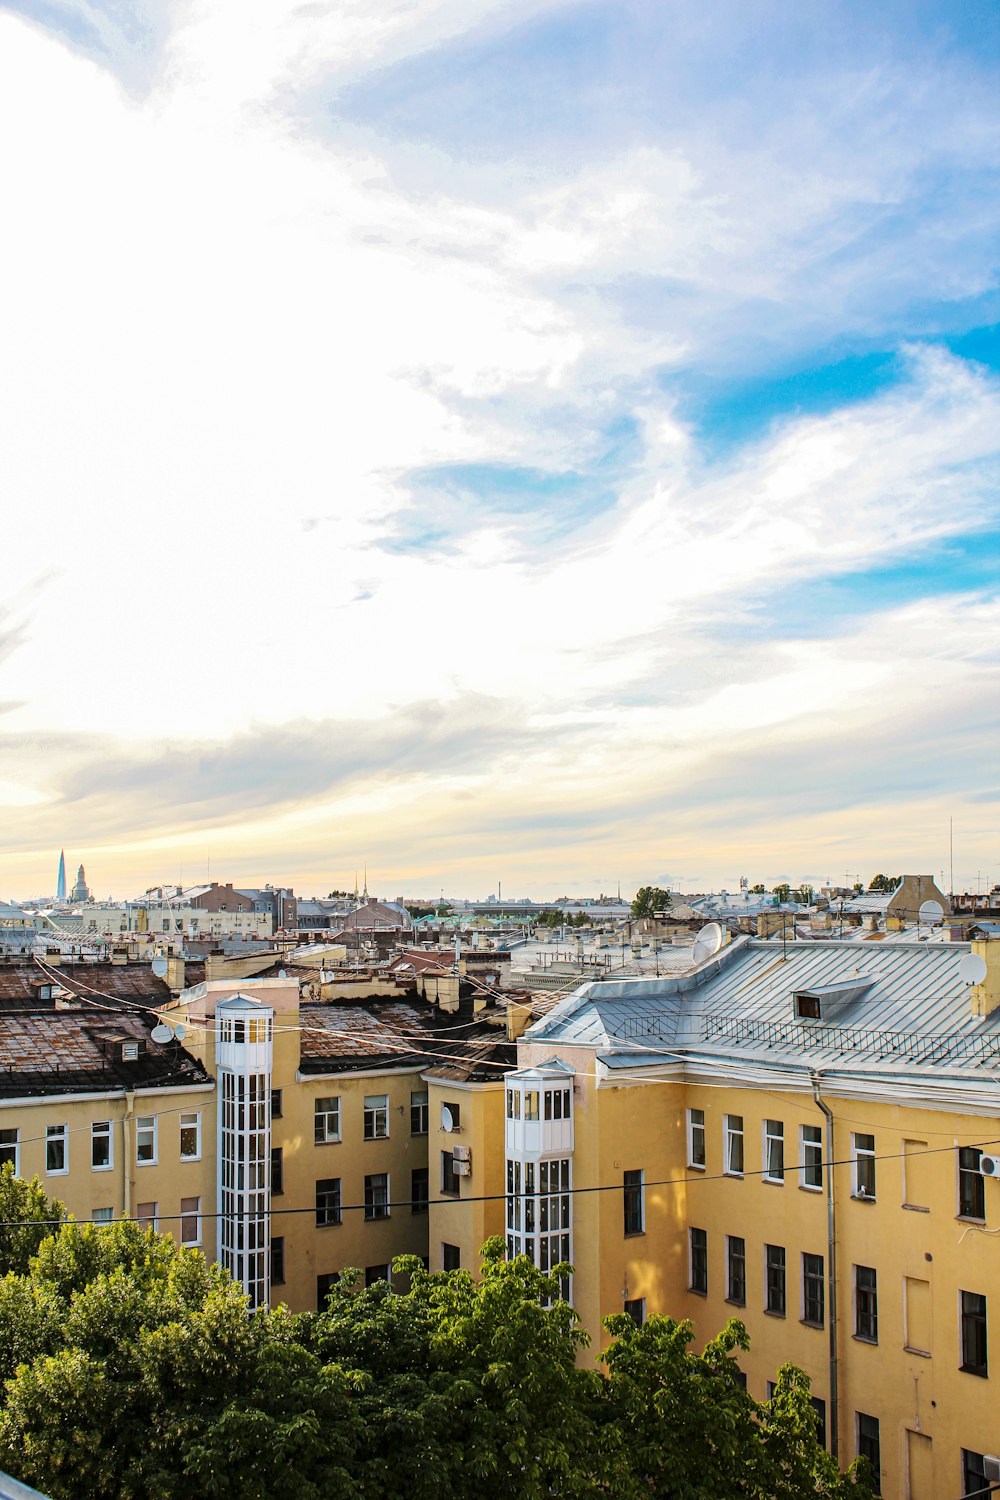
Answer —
127 1049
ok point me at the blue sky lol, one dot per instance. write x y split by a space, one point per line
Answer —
626 374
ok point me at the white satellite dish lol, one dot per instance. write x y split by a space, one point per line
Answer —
972 969
930 911
160 1033
180 1032
160 967
707 943
447 1119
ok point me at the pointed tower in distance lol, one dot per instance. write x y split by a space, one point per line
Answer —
61 877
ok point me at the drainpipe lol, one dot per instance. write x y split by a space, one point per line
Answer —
831 1252
127 1154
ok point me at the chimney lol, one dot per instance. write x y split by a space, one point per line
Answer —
175 973
986 996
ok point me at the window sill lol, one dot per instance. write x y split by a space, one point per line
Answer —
921 1353
110 1167
634 1234
808 1323
862 1338
772 1312
697 1291
332 1141
739 1175
736 1301
916 1208
773 1181
969 1219
974 1370
190 1158
863 1198
810 1187
696 1166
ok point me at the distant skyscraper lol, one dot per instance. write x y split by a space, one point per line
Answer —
61 877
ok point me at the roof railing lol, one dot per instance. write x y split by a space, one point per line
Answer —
913 1046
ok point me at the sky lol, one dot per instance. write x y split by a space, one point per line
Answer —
551 443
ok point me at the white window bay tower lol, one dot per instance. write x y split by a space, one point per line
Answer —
540 1163
244 1053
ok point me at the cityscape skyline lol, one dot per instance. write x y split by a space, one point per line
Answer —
551 438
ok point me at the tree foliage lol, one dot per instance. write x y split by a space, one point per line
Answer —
650 901
883 884
133 1371
783 891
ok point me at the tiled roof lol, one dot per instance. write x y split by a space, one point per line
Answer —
60 1052
337 1038
135 982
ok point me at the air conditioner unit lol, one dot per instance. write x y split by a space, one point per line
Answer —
462 1153
989 1166
991 1468
462 1168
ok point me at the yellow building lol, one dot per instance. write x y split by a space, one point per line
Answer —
673 1139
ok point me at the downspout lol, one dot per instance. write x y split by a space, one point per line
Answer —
127 1154
831 1253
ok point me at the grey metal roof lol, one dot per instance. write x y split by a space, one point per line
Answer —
911 1010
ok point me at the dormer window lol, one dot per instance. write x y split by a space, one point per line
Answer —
807 1007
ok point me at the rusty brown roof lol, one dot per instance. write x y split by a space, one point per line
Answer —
395 1033
136 981
67 1051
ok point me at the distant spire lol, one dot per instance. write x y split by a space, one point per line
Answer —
61 877
366 881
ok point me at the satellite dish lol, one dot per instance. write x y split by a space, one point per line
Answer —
180 1032
160 967
930 911
160 1033
707 943
972 969
447 1119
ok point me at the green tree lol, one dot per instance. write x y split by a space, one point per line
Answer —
782 891
27 1217
758 890
650 901
883 883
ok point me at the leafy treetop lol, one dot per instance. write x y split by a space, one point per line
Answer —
650 901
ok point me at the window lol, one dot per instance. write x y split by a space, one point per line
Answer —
328 1202
419 1190
819 1409
145 1140
451 1258
974 1334
449 1179
102 1216
10 1149
865 1304
190 1221
376 1117
557 1104
455 1111
276 1103
56 1150
807 1007
418 1113
324 1286
147 1214
732 1161
813 1290
974 1477
698 1240
811 1154
376 1273
917 1176
277 1171
633 1194
971 1184
377 1196
635 1308
774 1279
326 1121
696 1138
101 1159
278 1261
868 1444
736 1269
863 1165
513 1104
531 1104
774 1151
191 1136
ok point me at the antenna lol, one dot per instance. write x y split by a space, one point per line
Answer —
180 1032
159 967
447 1119
930 912
707 943
160 1033
972 969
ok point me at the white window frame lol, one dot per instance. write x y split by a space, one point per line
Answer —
376 1115
14 1145
858 1155
144 1129
329 1137
190 1116
109 1136
804 1146
729 1135
696 1127
152 1222
55 1133
102 1216
194 1213
770 1138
